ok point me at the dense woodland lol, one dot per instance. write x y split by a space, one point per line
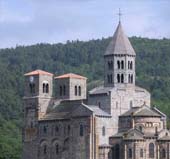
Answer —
85 58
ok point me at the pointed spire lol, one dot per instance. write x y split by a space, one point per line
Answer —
120 44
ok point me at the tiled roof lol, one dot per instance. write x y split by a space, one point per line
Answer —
120 44
70 75
38 72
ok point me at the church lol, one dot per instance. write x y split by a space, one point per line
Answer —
113 121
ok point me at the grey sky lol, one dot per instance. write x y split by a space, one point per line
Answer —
26 22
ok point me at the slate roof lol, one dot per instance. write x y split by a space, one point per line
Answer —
70 75
98 112
65 108
132 134
120 44
143 111
38 72
100 90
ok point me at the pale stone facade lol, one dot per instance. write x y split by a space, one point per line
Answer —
113 121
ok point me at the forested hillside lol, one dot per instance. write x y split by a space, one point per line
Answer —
85 58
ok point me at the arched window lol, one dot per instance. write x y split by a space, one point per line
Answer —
163 153
43 87
131 65
56 129
131 104
130 153
118 78
141 153
108 78
122 78
111 65
45 149
151 150
99 104
61 91
47 88
117 152
81 130
64 90
75 91
32 87
56 149
131 78
128 64
122 64
103 131
118 64
68 129
45 129
79 91
140 128
111 79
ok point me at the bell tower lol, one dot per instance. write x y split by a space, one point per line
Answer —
37 98
119 60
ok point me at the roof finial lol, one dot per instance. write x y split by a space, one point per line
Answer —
119 14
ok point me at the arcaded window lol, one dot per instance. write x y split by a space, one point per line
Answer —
122 64
131 65
43 87
64 90
128 64
68 129
130 153
79 90
151 150
117 152
110 65
118 64
81 130
56 149
163 153
118 78
45 129
103 131
122 78
47 88
131 78
61 91
99 104
45 149
141 153
32 87
75 91
56 129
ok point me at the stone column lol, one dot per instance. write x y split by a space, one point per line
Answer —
125 151
134 150
158 152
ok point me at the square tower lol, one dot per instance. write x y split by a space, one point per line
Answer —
71 87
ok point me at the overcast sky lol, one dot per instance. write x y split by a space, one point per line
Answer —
26 22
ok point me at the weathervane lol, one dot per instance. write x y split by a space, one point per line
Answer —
119 14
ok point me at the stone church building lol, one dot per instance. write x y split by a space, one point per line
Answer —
113 121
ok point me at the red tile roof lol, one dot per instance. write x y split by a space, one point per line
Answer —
70 75
38 72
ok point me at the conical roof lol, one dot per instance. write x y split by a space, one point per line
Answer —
120 44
